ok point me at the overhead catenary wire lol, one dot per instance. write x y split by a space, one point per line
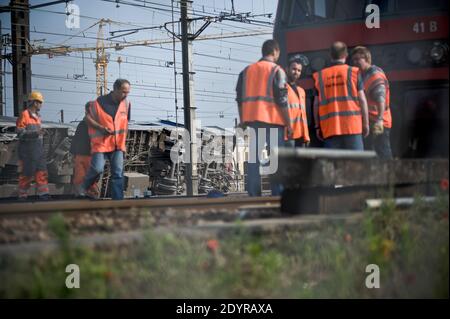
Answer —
200 77
93 93
206 68
135 86
152 46
163 66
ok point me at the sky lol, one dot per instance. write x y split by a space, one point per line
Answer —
68 82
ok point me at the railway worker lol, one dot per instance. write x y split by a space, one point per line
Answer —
261 94
81 151
376 87
107 120
340 106
297 105
32 160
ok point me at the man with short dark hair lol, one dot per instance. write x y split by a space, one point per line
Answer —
376 87
338 50
261 94
340 106
107 119
297 105
269 47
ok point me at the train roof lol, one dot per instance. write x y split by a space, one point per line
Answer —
159 125
11 121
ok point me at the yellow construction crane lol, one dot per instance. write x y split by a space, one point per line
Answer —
102 58
101 61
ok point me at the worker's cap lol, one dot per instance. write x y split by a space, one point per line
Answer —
36 96
299 58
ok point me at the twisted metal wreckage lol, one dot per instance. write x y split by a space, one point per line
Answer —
149 169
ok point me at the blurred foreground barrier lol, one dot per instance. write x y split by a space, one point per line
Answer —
339 181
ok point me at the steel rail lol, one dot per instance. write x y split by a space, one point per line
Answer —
88 205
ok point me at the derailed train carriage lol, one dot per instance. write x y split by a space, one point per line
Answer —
148 168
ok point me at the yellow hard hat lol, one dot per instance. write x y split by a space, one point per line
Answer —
36 96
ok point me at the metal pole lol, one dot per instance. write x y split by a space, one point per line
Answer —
191 176
1 71
62 116
175 91
20 30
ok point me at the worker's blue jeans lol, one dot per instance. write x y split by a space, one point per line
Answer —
346 142
97 166
380 144
253 173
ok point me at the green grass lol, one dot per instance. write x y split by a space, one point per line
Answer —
411 247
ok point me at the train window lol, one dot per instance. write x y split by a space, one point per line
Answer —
415 5
384 5
311 11
286 9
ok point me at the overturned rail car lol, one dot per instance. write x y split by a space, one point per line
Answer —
148 168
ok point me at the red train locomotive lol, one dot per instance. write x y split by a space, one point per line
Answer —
410 44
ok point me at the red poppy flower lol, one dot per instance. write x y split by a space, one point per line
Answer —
212 245
444 184
108 275
348 238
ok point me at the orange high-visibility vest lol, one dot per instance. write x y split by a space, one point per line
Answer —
339 110
100 141
32 159
297 114
28 122
375 78
258 103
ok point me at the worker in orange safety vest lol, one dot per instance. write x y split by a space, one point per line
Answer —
107 120
297 105
261 94
340 106
376 87
32 159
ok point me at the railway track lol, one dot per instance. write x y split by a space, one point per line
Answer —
201 203
25 222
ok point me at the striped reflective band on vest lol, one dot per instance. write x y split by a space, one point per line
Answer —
99 133
296 105
343 113
349 97
299 118
101 141
375 71
268 97
374 77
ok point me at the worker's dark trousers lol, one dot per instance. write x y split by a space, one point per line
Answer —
345 142
96 169
381 144
253 173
